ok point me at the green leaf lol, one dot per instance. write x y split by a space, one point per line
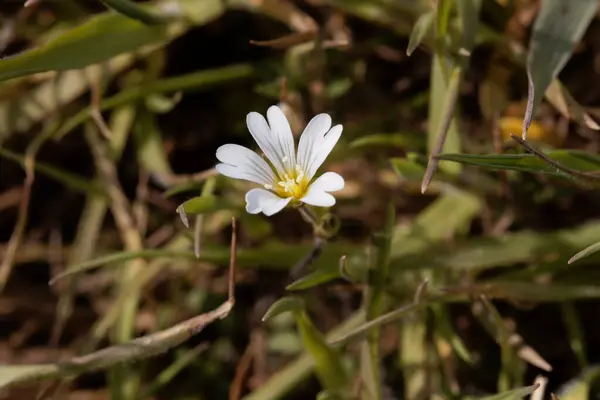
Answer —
160 104
12 373
183 188
413 351
328 395
581 387
199 205
283 305
443 325
274 255
441 219
189 82
329 367
374 299
98 39
151 153
573 159
572 322
405 140
134 11
509 395
514 247
283 381
585 252
442 133
421 29
313 279
535 292
70 180
558 28
407 169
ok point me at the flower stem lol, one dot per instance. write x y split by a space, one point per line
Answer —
310 217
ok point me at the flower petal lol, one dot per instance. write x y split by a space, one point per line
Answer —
241 163
317 192
312 135
267 141
258 200
280 127
322 149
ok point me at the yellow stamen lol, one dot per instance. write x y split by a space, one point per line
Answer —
293 184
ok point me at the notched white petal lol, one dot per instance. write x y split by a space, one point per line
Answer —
329 182
317 194
268 143
241 163
311 137
321 150
280 129
318 199
261 200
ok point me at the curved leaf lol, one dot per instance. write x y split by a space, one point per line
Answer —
573 159
313 279
422 28
134 11
283 305
99 39
558 28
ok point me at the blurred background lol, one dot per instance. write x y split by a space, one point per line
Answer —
458 262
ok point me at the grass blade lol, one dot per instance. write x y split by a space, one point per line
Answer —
558 28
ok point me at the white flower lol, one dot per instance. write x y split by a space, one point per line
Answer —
289 177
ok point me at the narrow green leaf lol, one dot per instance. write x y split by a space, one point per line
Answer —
444 327
160 104
328 395
167 374
509 395
151 153
482 253
576 337
407 169
189 82
136 12
313 279
199 205
98 39
413 351
275 255
283 305
585 252
442 134
535 292
283 381
399 140
441 219
70 180
558 28
582 386
573 159
375 305
422 28
329 367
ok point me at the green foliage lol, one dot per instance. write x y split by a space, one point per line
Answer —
401 276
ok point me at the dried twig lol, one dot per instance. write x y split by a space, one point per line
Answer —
133 350
19 230
130 236
169 180
243 366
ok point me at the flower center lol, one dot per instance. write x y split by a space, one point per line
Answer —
293 184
